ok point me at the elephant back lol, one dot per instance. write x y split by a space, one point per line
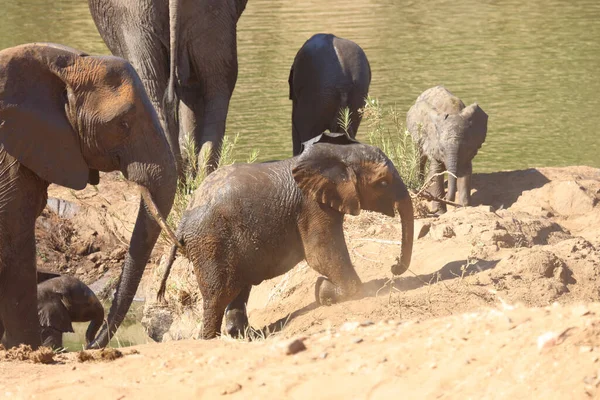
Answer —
442 100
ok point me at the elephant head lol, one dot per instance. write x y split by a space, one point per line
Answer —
461 136
66 115
355 177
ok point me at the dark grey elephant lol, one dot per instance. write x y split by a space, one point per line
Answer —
449 135
64 116
61 300
251 222
328 74
186 54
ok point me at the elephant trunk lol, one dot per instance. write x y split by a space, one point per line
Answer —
404 207
158 180
452 168
95 324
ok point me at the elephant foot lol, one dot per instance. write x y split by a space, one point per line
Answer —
236 323
325 292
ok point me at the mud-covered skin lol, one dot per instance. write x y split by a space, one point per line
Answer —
251 222
62 300
186 54
449 135
64 116
328 74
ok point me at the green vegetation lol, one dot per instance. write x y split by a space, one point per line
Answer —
194 172
386 130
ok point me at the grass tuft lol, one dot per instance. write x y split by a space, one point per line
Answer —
386 130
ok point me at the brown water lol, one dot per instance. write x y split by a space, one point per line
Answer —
532 66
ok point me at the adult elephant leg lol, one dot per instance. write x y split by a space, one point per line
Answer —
51 337
296 140
22 198
464 185
236 318
191 115
209 136
437 185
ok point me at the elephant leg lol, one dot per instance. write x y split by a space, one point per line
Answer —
313 114
326 253
422 164
437 185
236 318
22 198
191 115
51 337
464 186
296 139
210 138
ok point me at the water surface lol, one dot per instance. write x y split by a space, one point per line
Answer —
532 66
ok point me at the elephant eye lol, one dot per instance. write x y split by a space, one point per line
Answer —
383 183
124 125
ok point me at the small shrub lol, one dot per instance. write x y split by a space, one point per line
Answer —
386 130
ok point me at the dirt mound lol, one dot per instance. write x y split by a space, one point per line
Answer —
463 260
509 352
456 324
43 355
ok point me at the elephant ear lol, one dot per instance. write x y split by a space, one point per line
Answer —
34 127
53 313
478 119
325 178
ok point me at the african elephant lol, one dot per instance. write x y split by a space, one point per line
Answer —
64 116
251 222
186 54
449 135
62 300
328 74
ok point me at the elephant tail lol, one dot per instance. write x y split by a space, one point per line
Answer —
160 295
169 100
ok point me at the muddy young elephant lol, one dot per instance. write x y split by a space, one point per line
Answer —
251 222
328 74
186 54
449 135
64 116
62 300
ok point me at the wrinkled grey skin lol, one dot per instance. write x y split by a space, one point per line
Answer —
449 135
62 300
64 116
251 222
186 54
328 74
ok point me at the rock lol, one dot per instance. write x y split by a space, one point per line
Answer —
441 232
231 388
157 320
94 257
87 247
421 229
118 253
349 326
295 346
63 208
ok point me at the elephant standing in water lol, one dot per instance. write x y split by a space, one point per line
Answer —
449 135
186 54
62 300
64 116
251 222
328 74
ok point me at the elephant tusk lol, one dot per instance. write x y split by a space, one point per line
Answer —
155 212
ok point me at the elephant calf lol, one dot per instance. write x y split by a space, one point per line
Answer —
62 300
251 222
328 74
449 135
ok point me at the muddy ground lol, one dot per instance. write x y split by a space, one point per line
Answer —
501 300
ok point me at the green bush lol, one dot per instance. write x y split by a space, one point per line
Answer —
386 130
